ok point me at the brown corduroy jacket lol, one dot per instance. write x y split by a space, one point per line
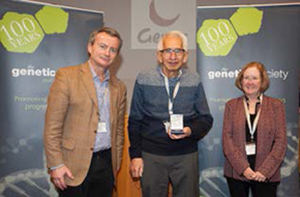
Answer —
271 139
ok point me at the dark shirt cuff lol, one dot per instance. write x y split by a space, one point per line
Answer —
134 153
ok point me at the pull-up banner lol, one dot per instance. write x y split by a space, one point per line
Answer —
228 38
35 40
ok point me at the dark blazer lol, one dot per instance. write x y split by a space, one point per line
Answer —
72 118
271 139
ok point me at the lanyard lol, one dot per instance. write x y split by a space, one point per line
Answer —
170 103
252 129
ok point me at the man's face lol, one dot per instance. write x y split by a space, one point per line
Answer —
104 50
172 56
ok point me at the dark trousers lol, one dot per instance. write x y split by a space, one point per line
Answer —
99 180
259 189
181 171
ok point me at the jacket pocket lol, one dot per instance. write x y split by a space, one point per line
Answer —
68 144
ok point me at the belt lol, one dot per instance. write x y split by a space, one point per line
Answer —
102 152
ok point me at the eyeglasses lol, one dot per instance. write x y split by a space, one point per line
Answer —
168 51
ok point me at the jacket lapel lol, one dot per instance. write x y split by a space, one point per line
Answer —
241 120
261 125
113 93
87 80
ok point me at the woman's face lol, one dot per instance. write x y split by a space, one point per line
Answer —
251 82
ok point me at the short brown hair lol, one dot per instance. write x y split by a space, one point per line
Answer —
110 31
265 81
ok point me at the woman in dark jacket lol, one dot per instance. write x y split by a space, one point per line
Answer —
254 136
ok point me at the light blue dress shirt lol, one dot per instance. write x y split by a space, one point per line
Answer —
103 139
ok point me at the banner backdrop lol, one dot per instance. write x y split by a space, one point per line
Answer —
228 38
36 40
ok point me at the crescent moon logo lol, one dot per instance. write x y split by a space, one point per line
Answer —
158 20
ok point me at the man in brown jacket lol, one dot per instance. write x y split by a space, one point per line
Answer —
84 123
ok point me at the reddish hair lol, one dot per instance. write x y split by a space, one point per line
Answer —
265 81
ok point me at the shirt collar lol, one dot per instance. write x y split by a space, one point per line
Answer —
172 78
107 73
259 97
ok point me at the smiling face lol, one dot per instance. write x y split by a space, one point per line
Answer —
103 51
170 59
251 82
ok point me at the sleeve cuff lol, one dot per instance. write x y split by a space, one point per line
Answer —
56 167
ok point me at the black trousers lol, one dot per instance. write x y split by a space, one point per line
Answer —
259 189
99 180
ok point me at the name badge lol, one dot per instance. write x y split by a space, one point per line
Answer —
101 127
176 123
251 149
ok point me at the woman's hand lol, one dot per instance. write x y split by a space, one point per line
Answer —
249 173
259 177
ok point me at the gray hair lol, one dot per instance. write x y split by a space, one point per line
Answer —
175 33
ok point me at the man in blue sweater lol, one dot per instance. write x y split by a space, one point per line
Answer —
169 115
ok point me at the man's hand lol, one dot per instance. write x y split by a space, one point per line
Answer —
186 133
136 167
58 175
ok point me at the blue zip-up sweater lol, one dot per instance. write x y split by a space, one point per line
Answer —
149 110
